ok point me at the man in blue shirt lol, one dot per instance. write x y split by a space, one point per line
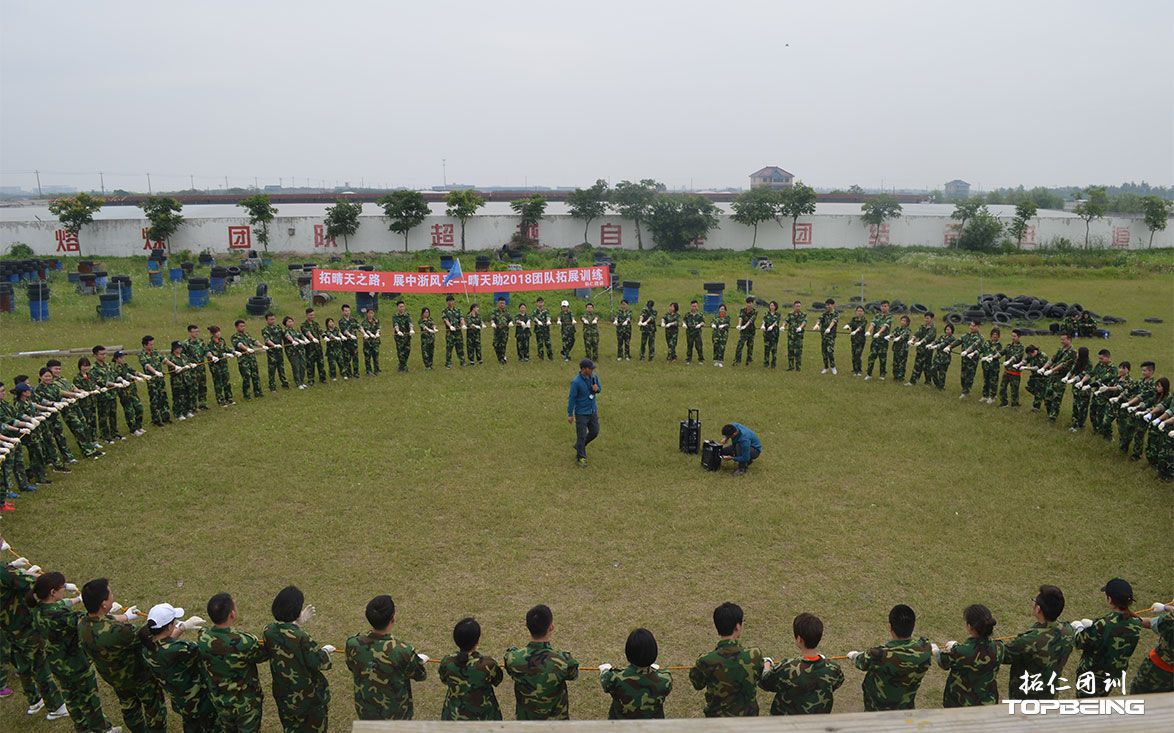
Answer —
743 446
581 409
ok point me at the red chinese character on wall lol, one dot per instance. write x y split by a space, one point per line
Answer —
801 233
1029 236
951 234
1121 237
66 241
878 235
610 235
148 244
530 232
240 237
442 235
320 238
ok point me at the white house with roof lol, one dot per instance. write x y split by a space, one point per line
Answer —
771 176
956 188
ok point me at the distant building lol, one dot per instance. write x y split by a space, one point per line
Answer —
771 176
11 191
956 189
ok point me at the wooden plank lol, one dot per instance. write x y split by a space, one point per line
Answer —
1158 715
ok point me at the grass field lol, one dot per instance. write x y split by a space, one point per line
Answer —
456 491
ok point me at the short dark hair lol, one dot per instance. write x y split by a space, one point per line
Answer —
809 628
147 339
540 299
270 314
52 363
287 604
979 618
1050 600
448 298
902 620
829 301
1104 352
346 305
904 318
309 311
691 302
1030 348
930 314
192 325
649 304
97 348
726 618
539 619
43 371
95 593
82 361
238 322
220 607
641 648
1149 364
1125 363
380 611
797 302
884 302
1016 332
401 302
749 299
213 329
996 330
728 430
466 634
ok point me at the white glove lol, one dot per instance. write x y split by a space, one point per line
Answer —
132 614
1077 626
655 666
603 668
1086 623
4 546
950 645
32 570
828 329
329 648
116 607
74 601
1158 607
946 350
1115 400
306 615
71 587
20 562
847 328
852 655
423 658
768 662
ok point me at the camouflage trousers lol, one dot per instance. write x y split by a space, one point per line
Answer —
12 473
350 353
144 708
107 416
28 661
1053 396
403 349
878 350
827 350
157 397
940 367
1158 451
1010 384
182 397
221 386
1037 387
81 431
427 348
969 369
132 407
670 342
240 719
39 460
81 700
473 346
770 351
1101 417
501 338
250 378
370 356
857 355
624 343
922 361
745 340
337 362
199 380
794 351
542 339
56 428
1080 404
275 365
591 346
453 342
297 365
522 344
719 346
314 363
308 716
693 341
647 341
568 343
900 362
87 408
1149 677
990 378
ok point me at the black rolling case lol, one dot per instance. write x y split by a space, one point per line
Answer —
711 455
691 432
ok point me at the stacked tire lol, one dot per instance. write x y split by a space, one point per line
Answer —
259 304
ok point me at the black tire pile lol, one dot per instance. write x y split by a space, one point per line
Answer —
1024 311
258 304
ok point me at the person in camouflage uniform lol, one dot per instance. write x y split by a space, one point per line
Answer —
720 326
56 622
337 361
971 345
828 321
1081 391
295 350
991 358
857 332
152 363
296 664
175 664
114 647
796 324
902 335
103 373
1102 378
371 341
428 331
770 335
26 650
274 337
401 324
523 323
941 349
694 325
1037 656
730 672
218 350
591 333
881 330
501 321
1013 356
1120 385
229 658
72 414
1139 396
1156 423
1036 383
746 319
383 666
1107 644
349 326
246 363
473 334
637 691
671 323
454 332
973 665
12 463
566 326
46 394
195 352
1057 370
542 330
894 670
182 397
540 673
36 441
128 396
647 325
85 381
1156 671
312 355
926 334
623 323
803 685
469 677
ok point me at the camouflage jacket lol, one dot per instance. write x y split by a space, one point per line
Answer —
474 325
230 658
56 623
893 673
501 320
803 685
295 665
1163 626
217 349
795 321
102 374
274 333
427 326
971 341
973 666
175 663
1062 361
648 315
566 321
312 330
383 668
243 341
454 318
540 677
16 618
880 321
1103 375
857 326
116 652
623 319
541 316
717 323
153 360
403 323
1107 645
747 319
1014 353
193 349
991 347
828 323
926 335
771 322
694 322
636 692
470 680
371 326
349 325
728 675
1037 653
520 320
901 336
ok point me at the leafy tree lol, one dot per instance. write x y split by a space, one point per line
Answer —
964 210
261 214
530 211
1157 212
796 201
855 189
406 210
163 214
982 232
876 211
588 203
342 220
1024 212
634 201
1093 206
74 212
754 207
462 204
677 221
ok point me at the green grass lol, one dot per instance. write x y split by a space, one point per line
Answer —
456 493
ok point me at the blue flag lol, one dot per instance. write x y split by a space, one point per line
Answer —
454 272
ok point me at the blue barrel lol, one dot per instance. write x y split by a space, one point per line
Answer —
582 293
366 302
39 302
713 301
155 279
14 277
154 265
197 298
101 280
632 291
121 285
217 284
446 262
71 277
109 305
498 296
176 274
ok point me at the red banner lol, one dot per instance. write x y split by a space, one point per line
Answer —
360 281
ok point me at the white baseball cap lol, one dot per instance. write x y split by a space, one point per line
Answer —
565 303
163 614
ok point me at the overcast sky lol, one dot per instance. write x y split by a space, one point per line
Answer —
902 94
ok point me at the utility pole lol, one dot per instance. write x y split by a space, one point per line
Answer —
256 187
444 171
226 184
102 182
192 181
39 193
149 191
